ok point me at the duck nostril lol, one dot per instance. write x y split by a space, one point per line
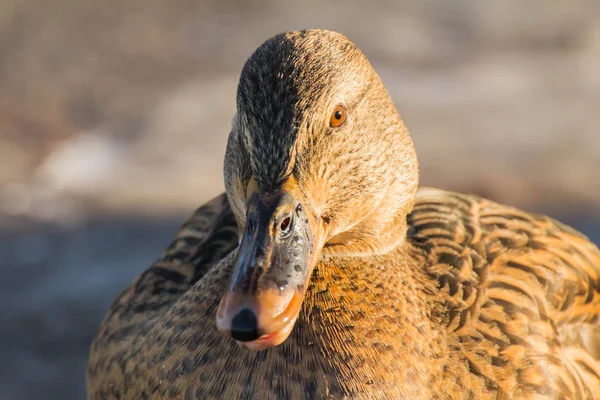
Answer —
244 326
285 224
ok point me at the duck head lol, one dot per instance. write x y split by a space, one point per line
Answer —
318 163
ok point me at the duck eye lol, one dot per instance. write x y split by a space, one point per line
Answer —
338 117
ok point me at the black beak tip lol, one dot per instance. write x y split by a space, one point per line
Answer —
244 326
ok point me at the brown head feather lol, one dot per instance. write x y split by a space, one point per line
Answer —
288 89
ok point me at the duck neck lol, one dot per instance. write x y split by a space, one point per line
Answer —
383 311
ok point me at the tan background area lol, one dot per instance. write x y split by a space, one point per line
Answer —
113 121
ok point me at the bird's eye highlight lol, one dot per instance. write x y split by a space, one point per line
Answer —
338 117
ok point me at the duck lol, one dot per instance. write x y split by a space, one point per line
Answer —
326 272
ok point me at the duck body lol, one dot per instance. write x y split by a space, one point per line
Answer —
349 281
482 314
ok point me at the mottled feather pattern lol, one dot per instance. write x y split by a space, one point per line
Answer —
503 287
513 283
205 238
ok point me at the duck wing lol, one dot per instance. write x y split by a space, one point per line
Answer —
522 294
204 239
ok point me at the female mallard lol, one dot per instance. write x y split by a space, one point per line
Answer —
368 287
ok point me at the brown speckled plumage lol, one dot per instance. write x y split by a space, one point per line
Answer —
416 295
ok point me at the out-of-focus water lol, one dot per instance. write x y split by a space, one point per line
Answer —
57 283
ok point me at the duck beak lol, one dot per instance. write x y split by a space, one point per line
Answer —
281 243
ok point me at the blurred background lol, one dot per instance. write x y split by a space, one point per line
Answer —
114 118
